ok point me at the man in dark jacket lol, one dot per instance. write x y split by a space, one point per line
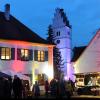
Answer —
1 87
17 87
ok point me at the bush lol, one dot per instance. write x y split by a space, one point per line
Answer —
86 79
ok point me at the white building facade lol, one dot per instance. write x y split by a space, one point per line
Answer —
89 60
22 50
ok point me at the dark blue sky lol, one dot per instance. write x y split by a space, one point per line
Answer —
84 16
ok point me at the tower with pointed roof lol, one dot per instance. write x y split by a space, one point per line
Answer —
62 38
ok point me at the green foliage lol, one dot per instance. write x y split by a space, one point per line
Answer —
56 54
50 37
57 62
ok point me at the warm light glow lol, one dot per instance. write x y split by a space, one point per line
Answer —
18 66
25 43
33 77
66 78
41 55
36 65
5 53
34 72
22 66
80 82
48 71
24 52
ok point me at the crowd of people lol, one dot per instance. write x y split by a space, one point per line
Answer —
14 88
9 88
56 88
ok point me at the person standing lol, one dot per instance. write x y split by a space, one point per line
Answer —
46 88
53 87
10 87
17 87
36 89
1 87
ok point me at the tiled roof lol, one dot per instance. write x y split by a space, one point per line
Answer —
13 29
77 51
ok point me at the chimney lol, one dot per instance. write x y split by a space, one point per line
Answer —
7 11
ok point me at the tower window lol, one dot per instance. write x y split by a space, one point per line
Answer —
68 33
58 33
58 41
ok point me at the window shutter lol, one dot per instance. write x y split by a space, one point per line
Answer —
18 54
46 55
0 52
36 55
12 53
30 54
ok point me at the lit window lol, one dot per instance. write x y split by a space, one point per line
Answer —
41 55
24 54
5 53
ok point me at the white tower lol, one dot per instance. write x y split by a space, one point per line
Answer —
62 38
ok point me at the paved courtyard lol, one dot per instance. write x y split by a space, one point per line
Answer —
86 96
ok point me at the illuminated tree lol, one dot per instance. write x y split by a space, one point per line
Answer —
50 37
57 63
57 59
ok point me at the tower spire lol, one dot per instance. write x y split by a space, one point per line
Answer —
60 18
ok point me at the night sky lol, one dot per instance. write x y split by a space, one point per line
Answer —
84 16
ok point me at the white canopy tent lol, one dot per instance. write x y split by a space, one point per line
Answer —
19 74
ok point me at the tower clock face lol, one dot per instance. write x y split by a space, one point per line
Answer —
58 41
